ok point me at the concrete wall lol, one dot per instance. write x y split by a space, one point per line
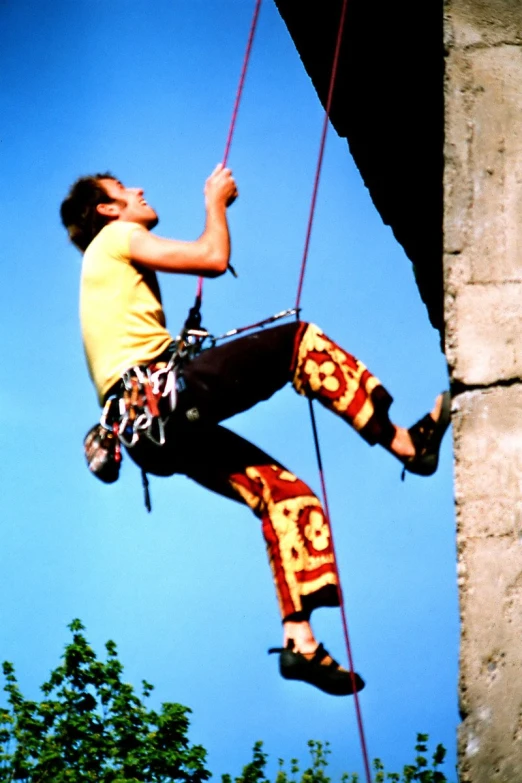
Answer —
483 312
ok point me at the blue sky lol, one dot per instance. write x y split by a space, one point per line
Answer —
146 90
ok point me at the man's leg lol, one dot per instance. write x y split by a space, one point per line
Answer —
323 370
236 375
233 377
297 537
294 526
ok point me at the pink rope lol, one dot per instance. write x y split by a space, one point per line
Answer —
321 153
239 92
322 144
358 712
297 304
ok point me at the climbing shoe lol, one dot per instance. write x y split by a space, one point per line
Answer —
320 670
426 436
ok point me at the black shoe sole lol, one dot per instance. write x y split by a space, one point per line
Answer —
328 678
428 464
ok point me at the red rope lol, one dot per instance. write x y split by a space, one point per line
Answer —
321 152
237 101
333 75
358 712
246 60
298 300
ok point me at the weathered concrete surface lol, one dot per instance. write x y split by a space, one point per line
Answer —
483 237
483 310
488 432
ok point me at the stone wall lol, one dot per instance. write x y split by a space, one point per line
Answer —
483 312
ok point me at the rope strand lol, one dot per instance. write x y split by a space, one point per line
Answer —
297 307
235 110
317 177
239 92
321 152
344 620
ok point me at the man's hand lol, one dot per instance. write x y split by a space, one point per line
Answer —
207 256
220 188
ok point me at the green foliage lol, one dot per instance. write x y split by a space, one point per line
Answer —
254 771
419 771
319 752
91 727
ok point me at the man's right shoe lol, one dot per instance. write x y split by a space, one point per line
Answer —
328 676
426 436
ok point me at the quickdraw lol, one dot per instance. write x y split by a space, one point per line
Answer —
146 401
258 325
194 339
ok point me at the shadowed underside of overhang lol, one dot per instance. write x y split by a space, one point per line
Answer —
388 104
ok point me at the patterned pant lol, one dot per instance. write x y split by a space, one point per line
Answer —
235 376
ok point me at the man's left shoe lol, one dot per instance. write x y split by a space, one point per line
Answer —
328 676
427 436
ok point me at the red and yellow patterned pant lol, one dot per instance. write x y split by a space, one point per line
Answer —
231 378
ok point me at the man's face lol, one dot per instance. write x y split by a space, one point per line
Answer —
128 205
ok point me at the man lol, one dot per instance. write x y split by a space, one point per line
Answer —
123 326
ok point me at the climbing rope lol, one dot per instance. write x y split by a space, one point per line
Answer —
239 92
304 260
322 144
196 317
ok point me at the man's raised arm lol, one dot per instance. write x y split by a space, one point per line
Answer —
208 255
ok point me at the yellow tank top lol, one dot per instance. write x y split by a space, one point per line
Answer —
122 320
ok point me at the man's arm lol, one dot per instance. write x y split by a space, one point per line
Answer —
208 255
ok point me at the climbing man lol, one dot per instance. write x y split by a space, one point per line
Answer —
130 355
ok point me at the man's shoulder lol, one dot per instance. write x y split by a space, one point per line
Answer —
114 239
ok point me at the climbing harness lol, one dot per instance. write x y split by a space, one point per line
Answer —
141 403
139 406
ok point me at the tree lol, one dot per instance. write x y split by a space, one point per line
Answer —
420 771
91 727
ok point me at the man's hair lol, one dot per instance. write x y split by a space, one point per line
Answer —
78 210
